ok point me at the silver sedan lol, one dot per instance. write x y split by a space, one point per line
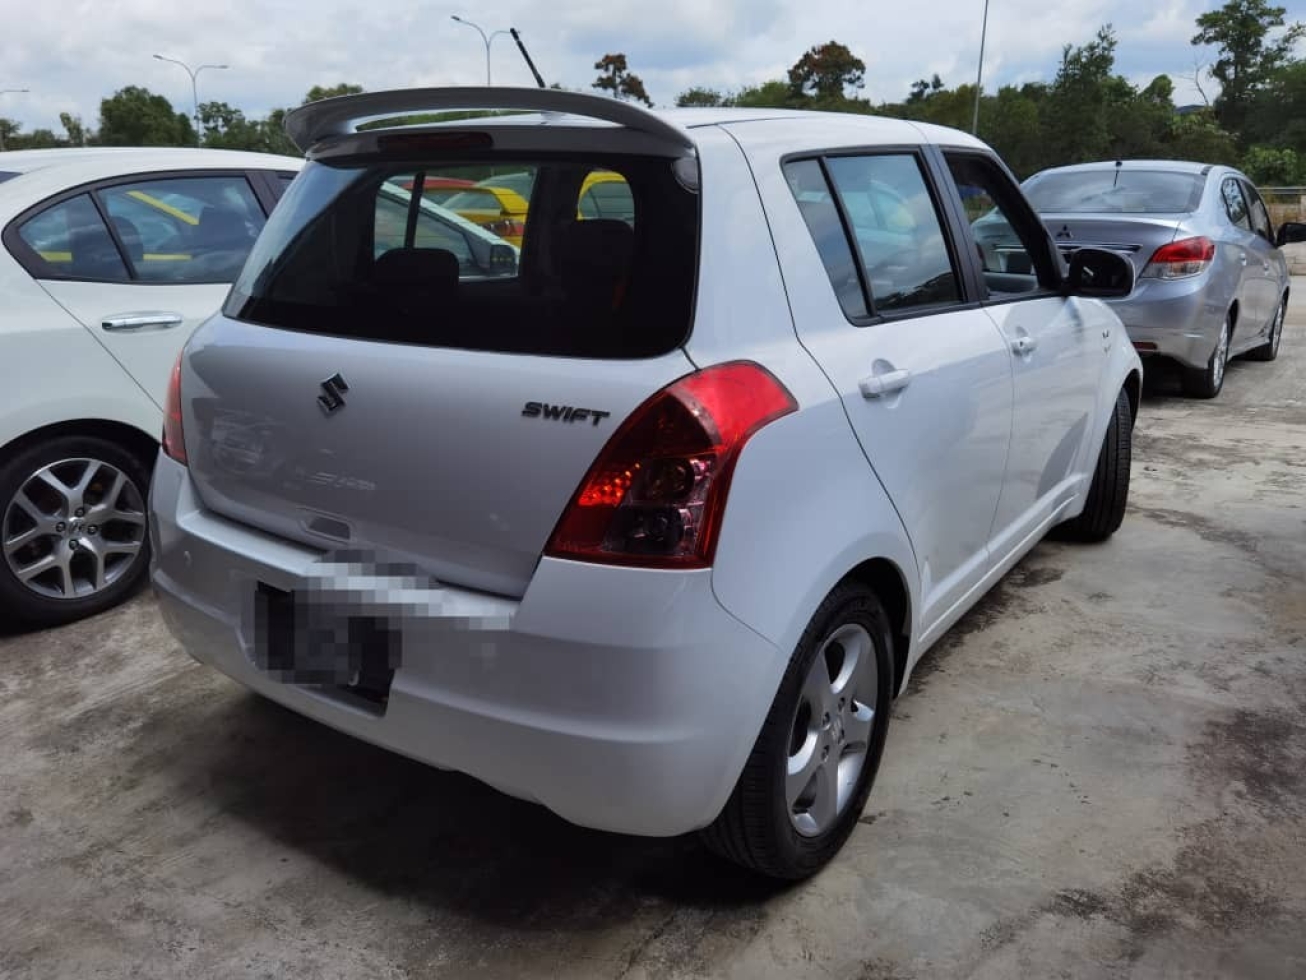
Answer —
1212 281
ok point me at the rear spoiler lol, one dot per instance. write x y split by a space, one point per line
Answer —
340 116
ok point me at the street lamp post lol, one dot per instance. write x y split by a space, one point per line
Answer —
979 75
488 39
194 87
6 91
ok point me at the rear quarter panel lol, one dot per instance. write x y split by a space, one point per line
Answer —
52 370
804 507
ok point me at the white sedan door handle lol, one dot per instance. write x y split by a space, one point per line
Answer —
141 321
883 384
1024 344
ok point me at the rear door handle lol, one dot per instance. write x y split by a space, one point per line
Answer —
141 321
1024 345
882 384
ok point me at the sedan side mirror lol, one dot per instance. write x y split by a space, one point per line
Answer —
1100 274
503 260
1290 232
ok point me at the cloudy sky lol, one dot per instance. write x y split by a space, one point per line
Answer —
73 53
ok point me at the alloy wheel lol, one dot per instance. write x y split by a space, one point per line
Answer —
831 730
73 528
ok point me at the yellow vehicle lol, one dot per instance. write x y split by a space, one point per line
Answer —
500 204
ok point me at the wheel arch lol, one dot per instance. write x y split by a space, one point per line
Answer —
887 581
131 438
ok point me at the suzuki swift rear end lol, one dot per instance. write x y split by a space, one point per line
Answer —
584 519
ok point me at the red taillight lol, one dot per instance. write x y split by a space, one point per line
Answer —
506 228
174 445
656 494
1178 260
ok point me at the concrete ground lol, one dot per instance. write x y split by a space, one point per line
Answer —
1100 772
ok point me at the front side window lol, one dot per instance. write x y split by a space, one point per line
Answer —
1260 218
1010 241
70 239
185 229
356 248
1235 205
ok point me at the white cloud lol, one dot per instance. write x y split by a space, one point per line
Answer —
73 54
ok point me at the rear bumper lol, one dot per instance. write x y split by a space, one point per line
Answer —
621 699
1179 319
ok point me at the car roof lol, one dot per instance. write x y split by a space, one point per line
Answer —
45 172
333 124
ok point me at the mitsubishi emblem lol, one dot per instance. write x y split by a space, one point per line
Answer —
333 389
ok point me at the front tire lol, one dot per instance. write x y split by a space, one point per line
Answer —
1206 382
73 538
805 783
1269 350
1108 494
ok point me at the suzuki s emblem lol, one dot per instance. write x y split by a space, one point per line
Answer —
333 388
1063 233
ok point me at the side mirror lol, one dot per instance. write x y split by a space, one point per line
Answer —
1100 274
503 260
1290 232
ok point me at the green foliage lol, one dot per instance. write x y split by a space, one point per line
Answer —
615 77
319 92
826 72
135 116
1246 57
1266 165
700 97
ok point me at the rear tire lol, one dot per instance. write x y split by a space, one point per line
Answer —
1108 494
1206 382
1269 350
760 828
56 564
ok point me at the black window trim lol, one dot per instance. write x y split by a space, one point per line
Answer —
929 176
36 267
1027 212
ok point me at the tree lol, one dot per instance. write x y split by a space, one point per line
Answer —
700 97
922 90
135 116
1246 58
1270 167
8 131
775 94
1197 136
72 125
615 77
1074 116
318 92
826 72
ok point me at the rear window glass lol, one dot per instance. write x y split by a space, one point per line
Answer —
1115 191
6 174
528 260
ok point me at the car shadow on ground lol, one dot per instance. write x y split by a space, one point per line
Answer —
440 839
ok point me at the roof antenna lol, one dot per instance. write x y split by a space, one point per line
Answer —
1119 164
530 64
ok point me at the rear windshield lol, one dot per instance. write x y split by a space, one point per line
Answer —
1113 192
6 174
524 259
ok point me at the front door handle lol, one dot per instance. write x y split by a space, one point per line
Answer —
141 321
883 384
1024 344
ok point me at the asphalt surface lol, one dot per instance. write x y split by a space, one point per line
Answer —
1101 771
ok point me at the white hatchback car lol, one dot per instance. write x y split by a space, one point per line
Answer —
111 258
652 529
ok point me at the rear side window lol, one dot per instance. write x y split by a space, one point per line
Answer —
511 264
898 249
1114 191
72 240
186 229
